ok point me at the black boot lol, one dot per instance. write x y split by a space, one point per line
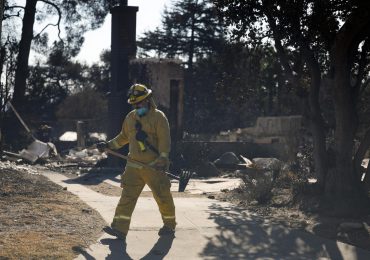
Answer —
114 232
166 231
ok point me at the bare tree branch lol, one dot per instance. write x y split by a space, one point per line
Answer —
9 16
43 29
279 48
56 24
13 6
12 15
349 36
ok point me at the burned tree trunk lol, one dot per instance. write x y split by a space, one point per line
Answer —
21 73
317 124
342 182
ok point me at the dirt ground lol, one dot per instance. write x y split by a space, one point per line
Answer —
40 220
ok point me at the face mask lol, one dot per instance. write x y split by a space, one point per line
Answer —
142 111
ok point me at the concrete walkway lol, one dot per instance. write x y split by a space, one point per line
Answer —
207 229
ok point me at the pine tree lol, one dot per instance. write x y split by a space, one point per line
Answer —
190 29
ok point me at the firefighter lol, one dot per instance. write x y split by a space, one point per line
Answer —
147 132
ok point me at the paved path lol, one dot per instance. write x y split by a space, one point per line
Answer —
207 229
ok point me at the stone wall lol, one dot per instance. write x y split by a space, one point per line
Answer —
277 126
266 130
157 74
271 136
166 78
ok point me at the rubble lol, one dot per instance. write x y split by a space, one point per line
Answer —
37 150
365 163
228 159
247 162
208 169
4 165
97 137
271 164
69 136
270 137
266 130
77 160
87 154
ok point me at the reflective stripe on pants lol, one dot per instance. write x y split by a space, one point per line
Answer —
122 217
168 217
133 182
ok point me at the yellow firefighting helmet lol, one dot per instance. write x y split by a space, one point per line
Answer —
138 93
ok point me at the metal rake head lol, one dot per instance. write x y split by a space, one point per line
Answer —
184 178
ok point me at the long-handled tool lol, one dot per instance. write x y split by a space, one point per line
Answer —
21 120
183 178
37 149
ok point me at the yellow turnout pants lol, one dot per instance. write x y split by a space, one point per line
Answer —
133 182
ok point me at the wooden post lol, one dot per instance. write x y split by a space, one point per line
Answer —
80 126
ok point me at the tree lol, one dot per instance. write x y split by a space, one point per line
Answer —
50 83
191 29
9 52
77 15
99 73
224 79
234 87
86 104
329 41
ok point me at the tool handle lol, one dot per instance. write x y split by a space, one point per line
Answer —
21 120
139 163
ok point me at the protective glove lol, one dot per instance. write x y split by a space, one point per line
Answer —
162 163
102 146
